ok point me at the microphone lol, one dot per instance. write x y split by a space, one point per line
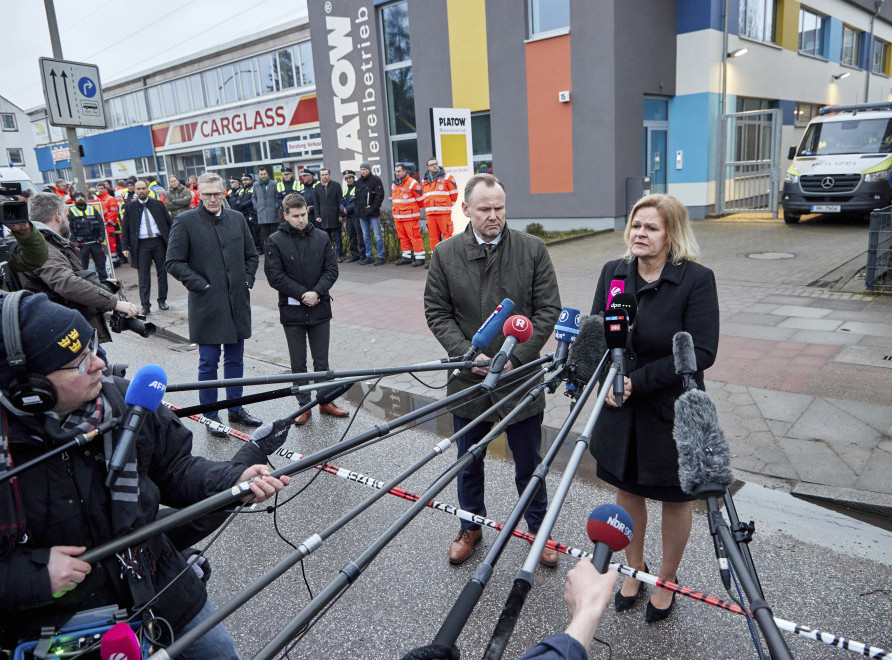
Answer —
517 330
142 398
120 643
609 527
624 302
616 287
565 332
616 333
585 353
486 333
685 359
704 459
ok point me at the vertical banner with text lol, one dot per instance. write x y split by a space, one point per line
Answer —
344 35
451 129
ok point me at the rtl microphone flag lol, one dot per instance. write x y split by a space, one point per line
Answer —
609 527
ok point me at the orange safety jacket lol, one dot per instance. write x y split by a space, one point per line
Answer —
440 194
406 195
195 198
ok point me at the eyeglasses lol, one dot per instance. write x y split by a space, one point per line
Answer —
92 349
217 195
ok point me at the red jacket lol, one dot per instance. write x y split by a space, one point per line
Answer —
406 196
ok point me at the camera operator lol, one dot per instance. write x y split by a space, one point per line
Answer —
60 276
51 512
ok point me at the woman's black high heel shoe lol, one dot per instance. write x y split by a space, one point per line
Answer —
653 614
622 603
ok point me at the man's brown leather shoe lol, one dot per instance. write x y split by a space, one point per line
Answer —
463 545
549 557
332 409
302 419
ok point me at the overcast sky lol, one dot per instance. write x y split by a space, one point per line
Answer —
124 37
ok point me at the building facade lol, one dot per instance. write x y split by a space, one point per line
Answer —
576 105
16 139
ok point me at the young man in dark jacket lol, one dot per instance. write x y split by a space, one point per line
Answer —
369 195
52 512
301 265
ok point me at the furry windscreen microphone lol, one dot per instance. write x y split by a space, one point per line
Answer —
588 349
685 358
704 460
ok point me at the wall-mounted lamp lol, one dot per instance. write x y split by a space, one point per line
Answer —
840 76
738 53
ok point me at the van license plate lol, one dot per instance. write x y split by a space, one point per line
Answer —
826 208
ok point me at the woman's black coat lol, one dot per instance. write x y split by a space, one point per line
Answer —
683 298
297 261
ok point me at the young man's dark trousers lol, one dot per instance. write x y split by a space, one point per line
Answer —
297 336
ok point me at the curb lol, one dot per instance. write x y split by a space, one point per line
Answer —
871 503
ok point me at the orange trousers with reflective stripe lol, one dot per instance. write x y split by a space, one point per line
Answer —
409 232
439 227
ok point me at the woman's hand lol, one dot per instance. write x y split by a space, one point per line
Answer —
627 391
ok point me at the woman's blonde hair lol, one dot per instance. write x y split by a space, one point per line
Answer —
682 242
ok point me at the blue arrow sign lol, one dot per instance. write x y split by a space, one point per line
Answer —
86 87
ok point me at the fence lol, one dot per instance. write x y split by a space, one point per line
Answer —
879 247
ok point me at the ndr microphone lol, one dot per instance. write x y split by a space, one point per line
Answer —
609 527
517 330
142 398
487 332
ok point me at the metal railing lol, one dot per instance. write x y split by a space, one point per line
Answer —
879 248
749 175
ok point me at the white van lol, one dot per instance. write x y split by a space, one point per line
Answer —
17 175
842 164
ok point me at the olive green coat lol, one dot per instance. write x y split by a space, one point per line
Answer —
464 286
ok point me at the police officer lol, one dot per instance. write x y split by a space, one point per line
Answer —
348 206
88 233
286 186
246 206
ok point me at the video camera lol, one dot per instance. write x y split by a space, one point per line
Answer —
12 211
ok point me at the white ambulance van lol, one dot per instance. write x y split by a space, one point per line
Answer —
842 164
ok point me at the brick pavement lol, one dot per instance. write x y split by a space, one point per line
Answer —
799 383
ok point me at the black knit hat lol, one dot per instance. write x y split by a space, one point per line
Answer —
51 336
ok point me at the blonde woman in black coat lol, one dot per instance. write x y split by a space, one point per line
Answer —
633 443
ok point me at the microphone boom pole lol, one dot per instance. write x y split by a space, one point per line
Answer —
312 543
352 570
464 605
242 489
523 581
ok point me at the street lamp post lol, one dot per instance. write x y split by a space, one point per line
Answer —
877 4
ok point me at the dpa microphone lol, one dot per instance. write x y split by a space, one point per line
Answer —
616 332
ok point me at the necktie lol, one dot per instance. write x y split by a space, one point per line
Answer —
489 247
145 220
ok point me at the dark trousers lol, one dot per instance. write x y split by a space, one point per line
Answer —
96 251
266 231
354 232
233 367
334 235
297 336
150 250
524 438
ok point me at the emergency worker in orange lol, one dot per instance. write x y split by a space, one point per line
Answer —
110 215
440 194
406 196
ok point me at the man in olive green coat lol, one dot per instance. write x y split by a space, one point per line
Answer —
469 276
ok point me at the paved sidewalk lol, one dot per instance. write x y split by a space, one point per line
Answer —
802 378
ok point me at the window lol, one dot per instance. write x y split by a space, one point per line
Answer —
406 151
811 33
745 104
307 75
228 84
395 19
401 101
804 112
194 84
268 73
244 71
7 119
481 142
856 136
399 83
880 52
212 87
851 45
757 19
15 157
245 153
548 16
286 68
215 156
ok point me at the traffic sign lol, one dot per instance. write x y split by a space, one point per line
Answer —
73 93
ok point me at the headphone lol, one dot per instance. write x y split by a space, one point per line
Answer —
32 394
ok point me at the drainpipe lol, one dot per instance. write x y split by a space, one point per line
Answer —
877 4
